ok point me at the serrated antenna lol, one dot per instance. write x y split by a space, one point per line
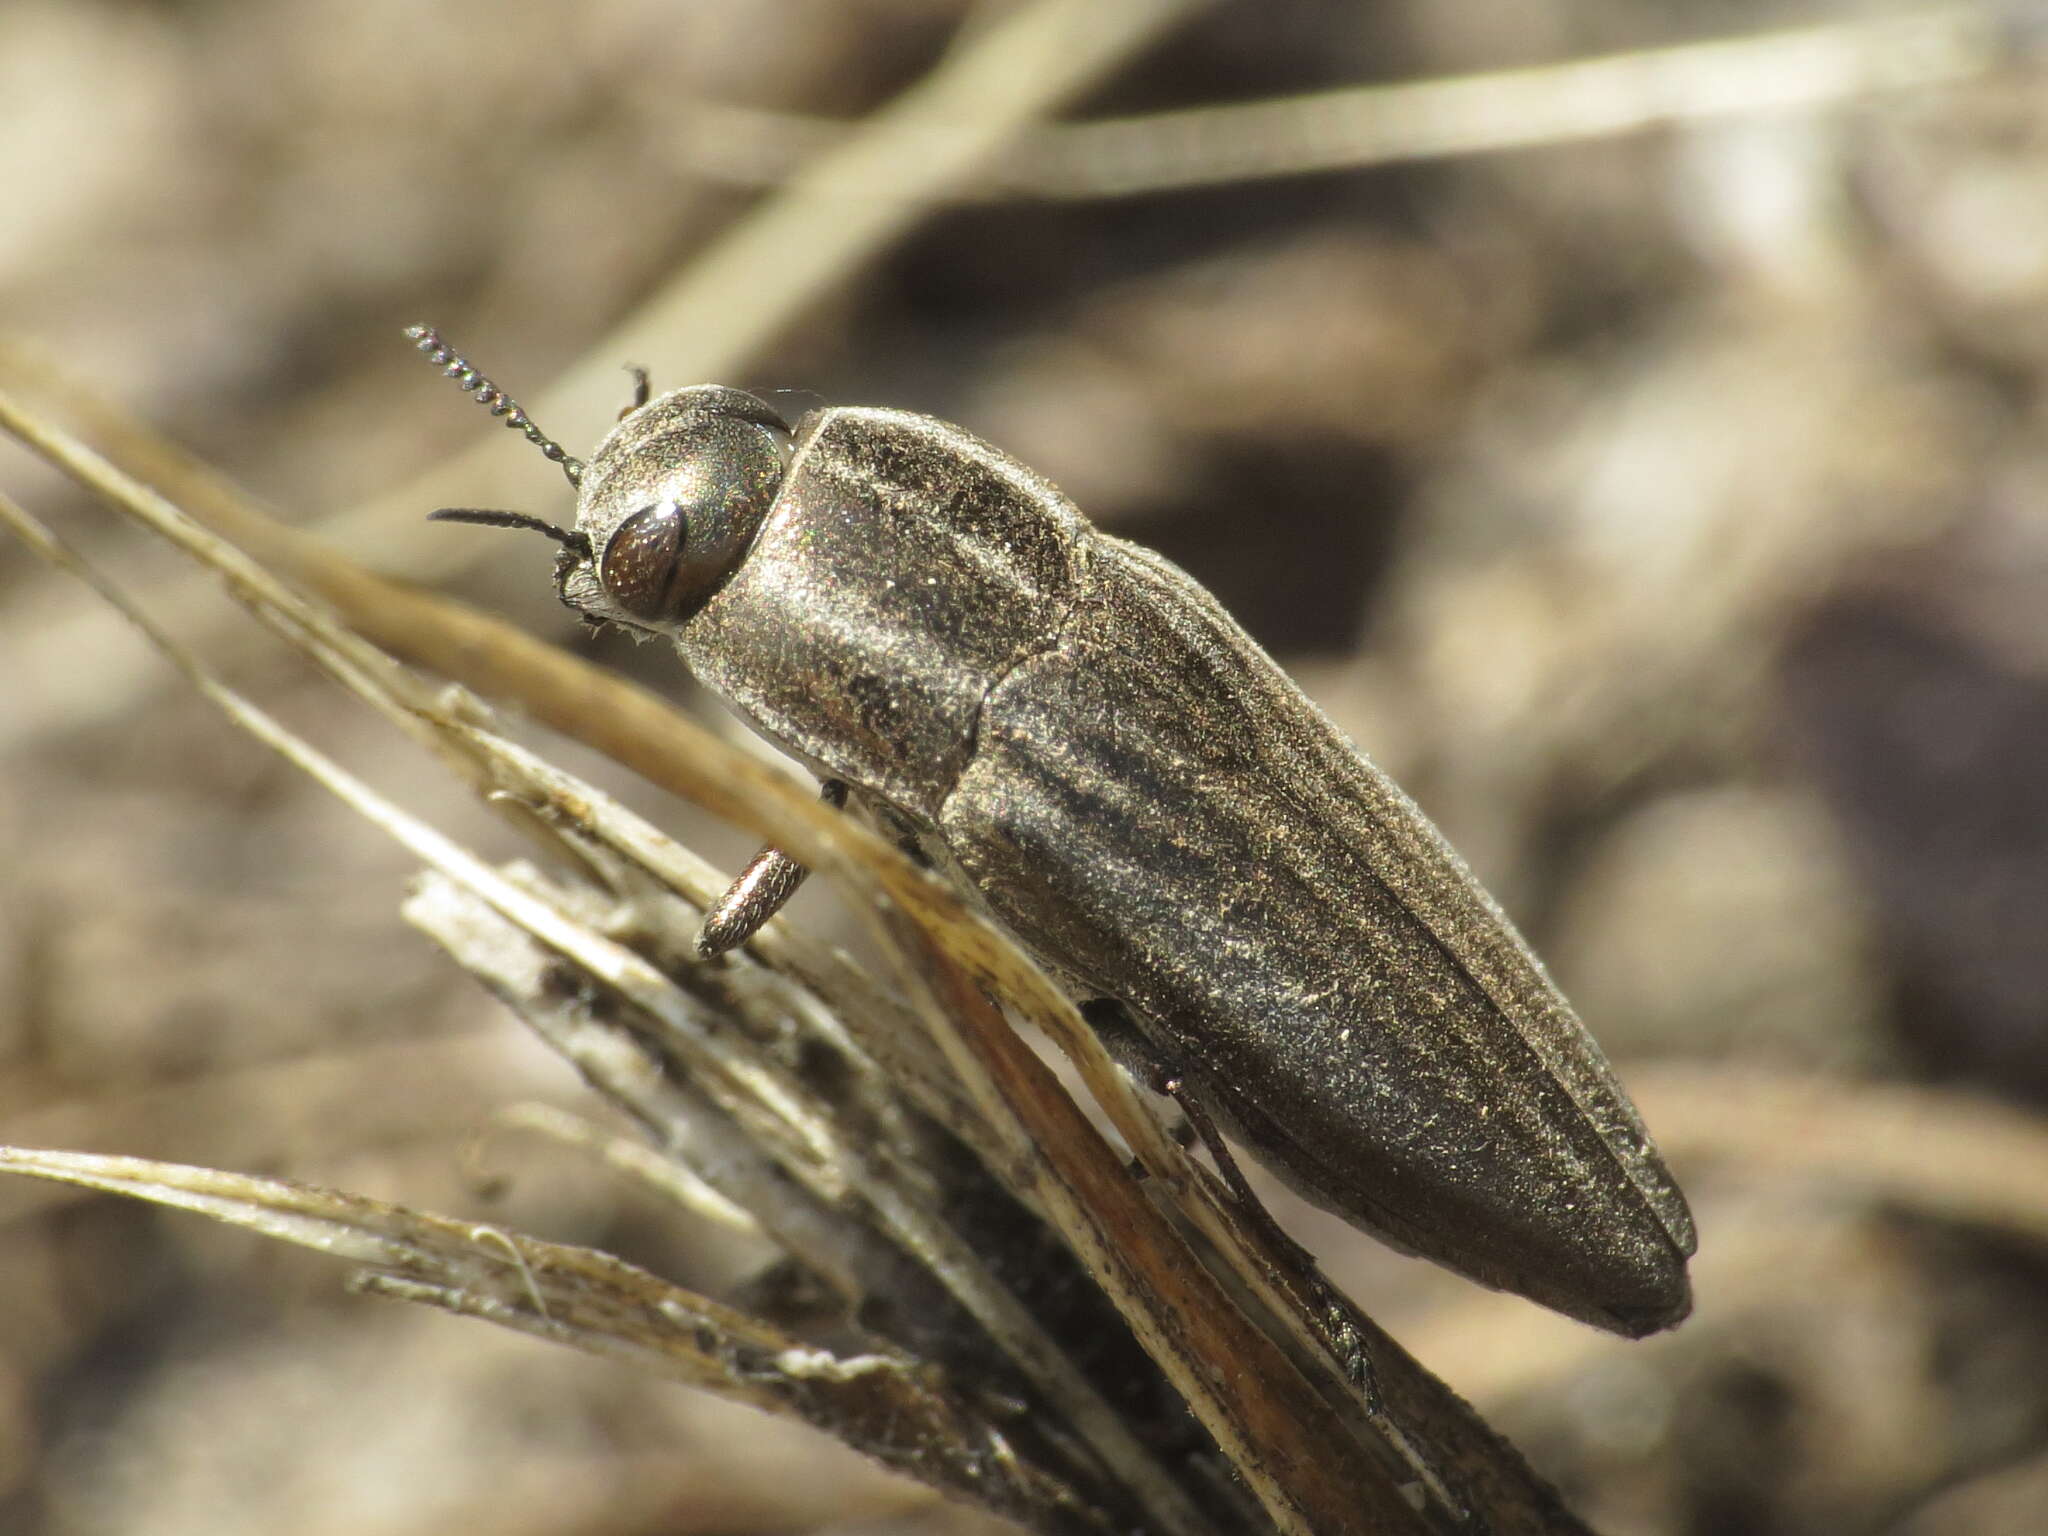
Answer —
492 398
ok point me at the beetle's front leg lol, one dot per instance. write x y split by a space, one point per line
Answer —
769 880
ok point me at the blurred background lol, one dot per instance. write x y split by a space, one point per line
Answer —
1666 506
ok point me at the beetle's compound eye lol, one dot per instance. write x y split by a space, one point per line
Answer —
719 477
640 562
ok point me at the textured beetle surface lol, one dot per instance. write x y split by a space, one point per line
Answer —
1148 803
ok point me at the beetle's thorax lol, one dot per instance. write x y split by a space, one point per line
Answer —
903 569
633 462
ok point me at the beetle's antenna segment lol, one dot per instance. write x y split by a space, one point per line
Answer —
492 398
575 541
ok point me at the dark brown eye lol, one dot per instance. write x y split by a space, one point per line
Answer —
641 562
718 479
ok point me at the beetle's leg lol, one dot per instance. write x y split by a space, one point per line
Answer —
1128 1044
769 880
643 390
893 825
1332 1313
1119 1032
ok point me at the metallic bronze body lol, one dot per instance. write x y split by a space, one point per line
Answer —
1157 812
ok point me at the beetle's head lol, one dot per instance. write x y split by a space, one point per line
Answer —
667 506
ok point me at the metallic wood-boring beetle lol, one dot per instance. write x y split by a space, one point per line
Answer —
1079 733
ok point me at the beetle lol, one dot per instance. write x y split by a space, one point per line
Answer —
1075 730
